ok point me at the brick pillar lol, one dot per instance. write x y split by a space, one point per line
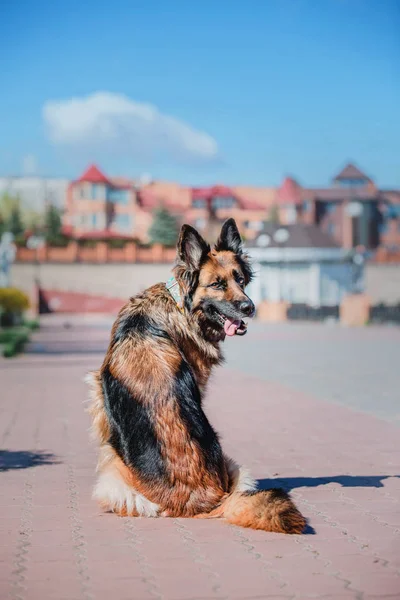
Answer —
130 252
72 251
354 310
101 252
272 311
157 253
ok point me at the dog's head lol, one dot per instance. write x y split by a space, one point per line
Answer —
213 281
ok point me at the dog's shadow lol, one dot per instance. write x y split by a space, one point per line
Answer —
292 483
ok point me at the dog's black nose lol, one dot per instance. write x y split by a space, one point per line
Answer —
246 307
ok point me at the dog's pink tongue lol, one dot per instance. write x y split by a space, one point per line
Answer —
231 326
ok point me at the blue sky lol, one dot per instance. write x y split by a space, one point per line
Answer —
227 91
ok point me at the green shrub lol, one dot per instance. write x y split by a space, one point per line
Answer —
58 241
20 241
15 344
14 340
84 243
117 242
32 324
13 300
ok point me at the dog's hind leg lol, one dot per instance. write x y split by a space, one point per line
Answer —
113 491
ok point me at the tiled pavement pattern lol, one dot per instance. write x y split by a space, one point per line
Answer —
341 466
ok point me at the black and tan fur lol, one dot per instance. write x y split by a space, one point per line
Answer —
159 455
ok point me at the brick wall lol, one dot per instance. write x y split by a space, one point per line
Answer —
100 253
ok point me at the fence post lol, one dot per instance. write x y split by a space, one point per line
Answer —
130 252
272 311
157 253
101 252
73 250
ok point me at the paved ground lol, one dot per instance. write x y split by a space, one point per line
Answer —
275 404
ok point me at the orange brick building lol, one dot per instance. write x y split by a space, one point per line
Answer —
102 207
353 211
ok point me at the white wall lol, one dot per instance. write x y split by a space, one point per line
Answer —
115 281
121 281
315 284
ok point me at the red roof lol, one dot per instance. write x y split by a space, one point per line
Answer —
93 175
289 192
222 190
351 172
201 193
207 193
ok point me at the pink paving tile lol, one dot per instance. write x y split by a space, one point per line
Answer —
336 462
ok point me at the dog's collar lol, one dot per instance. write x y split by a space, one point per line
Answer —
173 287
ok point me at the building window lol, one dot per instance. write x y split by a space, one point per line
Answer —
393 211
307 205
330 208
96 220
80 192
199 203
118 196
123 222
223 202
383 227
354 183
97 190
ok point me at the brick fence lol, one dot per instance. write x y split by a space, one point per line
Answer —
101 252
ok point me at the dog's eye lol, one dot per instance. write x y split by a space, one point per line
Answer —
216 285
241 282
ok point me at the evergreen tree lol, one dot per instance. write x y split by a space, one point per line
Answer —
53 224
14 222
164 229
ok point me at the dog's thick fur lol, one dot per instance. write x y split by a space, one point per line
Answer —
159 455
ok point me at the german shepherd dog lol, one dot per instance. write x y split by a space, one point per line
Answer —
159 455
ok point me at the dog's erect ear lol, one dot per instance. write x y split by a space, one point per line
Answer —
192 249
229 238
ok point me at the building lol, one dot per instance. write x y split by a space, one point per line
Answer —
353 210
217 203
101 207
36 193
98 206
301 264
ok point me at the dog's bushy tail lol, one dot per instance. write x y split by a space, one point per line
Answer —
270 510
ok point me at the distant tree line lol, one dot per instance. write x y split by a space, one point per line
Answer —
20 221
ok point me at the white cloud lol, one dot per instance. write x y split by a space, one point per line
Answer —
115 124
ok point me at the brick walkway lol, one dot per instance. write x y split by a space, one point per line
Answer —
342 466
